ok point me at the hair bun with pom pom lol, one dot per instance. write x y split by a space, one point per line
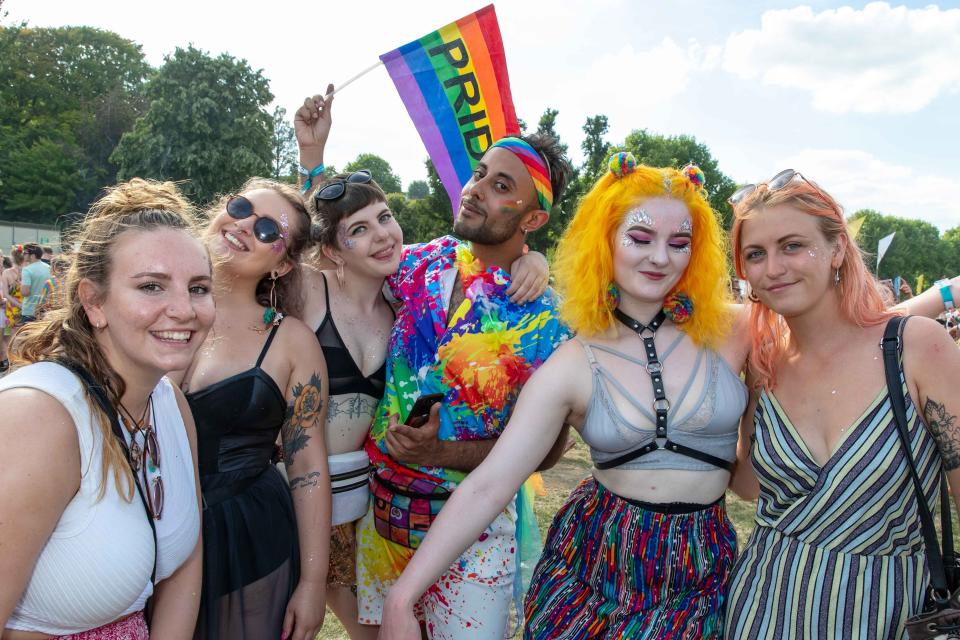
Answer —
695 175
622 164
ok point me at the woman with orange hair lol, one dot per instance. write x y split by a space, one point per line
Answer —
837 551
643 547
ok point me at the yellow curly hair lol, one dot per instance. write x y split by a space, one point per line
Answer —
584 259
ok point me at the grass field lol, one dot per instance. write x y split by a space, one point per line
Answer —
559 482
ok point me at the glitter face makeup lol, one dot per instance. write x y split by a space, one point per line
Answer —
345 241
685 227
280 245
635 218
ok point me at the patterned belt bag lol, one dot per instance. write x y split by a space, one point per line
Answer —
404 507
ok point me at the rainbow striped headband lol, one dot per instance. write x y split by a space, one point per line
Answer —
538 169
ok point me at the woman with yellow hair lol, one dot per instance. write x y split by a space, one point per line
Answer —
643 547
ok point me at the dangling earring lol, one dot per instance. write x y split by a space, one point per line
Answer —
836 278
612 296
340 274
753 297
272 315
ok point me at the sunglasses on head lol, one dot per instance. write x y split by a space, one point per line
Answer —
335 190
265 229
775 183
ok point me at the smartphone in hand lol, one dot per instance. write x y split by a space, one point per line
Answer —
421 409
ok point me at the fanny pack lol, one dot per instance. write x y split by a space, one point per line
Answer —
350 485
404 507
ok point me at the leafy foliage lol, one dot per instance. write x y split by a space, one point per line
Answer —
676 151
917 248
379 168
206 125
66 96
418 189
284 147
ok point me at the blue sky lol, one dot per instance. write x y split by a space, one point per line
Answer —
863 97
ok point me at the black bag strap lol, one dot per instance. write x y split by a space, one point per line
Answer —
891 345
99 394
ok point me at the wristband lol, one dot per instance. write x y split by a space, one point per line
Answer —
309 175
946 293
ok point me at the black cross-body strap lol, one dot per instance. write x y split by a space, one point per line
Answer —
99 394
891 344
660 403
654 367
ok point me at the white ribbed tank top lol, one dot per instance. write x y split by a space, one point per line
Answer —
96 565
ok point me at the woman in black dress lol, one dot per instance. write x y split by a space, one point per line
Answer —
261 372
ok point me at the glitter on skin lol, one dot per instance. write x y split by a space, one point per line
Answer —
281 244
635 218
345 242
685 227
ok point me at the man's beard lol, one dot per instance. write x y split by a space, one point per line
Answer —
487 234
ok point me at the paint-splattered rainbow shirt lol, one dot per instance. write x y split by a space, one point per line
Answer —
478 358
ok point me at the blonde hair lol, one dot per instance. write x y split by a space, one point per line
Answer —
584 257
859 298
66 332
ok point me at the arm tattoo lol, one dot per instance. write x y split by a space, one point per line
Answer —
302 414
945 430
312 479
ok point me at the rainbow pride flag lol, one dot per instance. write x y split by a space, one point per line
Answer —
455 86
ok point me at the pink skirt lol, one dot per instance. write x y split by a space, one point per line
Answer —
132 627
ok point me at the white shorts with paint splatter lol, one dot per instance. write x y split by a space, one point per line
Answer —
470 601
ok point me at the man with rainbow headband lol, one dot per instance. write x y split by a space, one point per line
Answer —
458 334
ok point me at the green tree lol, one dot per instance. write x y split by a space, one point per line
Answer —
916 248
676 151
284 147
380 169
951 245
418 189
207 124
427 218
66 96
545 238
596 151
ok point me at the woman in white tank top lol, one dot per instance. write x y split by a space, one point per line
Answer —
79 510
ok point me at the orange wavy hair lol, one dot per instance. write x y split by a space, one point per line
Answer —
584 259
859 298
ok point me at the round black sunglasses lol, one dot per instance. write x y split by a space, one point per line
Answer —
335 190
265 229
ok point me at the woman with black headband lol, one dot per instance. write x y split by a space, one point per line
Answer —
260 373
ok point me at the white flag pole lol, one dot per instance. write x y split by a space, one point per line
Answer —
359 75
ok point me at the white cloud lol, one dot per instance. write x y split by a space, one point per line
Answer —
880 59
628 85
859 180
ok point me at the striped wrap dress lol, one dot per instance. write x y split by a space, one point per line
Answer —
837 551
